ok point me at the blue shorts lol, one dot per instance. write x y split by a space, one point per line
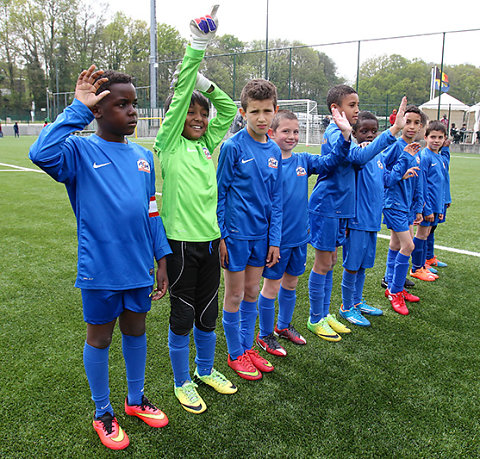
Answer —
396 220
292 261
242 253
411 217
103 306
359 249
327 233
434 223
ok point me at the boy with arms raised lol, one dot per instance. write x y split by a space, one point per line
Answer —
250 219
185 144
332 202
401 199
111 186
360 244
282 278
434 185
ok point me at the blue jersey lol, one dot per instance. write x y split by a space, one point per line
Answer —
111 187
433 171
371 180
403 195
445 156
334 195
295 173
250 189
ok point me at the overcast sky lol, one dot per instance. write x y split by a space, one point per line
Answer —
317 22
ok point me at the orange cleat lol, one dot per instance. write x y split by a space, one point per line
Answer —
423 274
110 433
147 412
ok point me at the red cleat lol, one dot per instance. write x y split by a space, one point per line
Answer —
409 297
262 364
244 367
398 303
147 412
110 433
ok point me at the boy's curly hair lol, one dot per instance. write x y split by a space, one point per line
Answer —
114 77
258 89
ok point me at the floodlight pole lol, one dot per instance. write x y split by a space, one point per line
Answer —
358 65
153 54
441 77
266 48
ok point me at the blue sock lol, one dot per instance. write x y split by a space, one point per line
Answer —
286 305
248 319
316 293
348 289
96 367
417 254
266 315
205 344
178 349
391 257
135 356
328 293
400 273
231 328
357 298
429 249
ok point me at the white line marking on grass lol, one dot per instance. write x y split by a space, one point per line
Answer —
158 193
441 247
20 169
465 157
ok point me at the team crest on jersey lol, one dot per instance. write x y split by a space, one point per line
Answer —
301 171
143 165
418 159
379 164
273 163
207 153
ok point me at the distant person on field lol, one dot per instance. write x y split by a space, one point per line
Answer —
393 117
111 185
16 130
1 132
444 120
185 145
463 132
282 279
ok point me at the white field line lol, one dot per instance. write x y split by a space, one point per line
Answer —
441 247
19 169
464 157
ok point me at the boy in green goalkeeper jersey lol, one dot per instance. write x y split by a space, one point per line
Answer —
184 144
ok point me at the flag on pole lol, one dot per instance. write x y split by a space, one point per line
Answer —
444 78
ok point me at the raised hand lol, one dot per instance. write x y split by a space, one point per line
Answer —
400 119
342 123
412 148
203 29
86 88
412 172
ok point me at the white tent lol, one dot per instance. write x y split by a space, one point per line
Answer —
475 110
456 111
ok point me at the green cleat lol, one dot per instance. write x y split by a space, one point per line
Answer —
189 399
216 380
323 330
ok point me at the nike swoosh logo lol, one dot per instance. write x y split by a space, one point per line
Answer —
120 436
249 373
151 416
247 160
191 150
96 166
193 407
434 164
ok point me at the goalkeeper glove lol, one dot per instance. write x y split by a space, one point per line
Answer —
203 29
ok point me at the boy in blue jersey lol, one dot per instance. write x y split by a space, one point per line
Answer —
184 145
332 202
111 185
432 261
250 219
402 208
434 184
360 244
282 278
